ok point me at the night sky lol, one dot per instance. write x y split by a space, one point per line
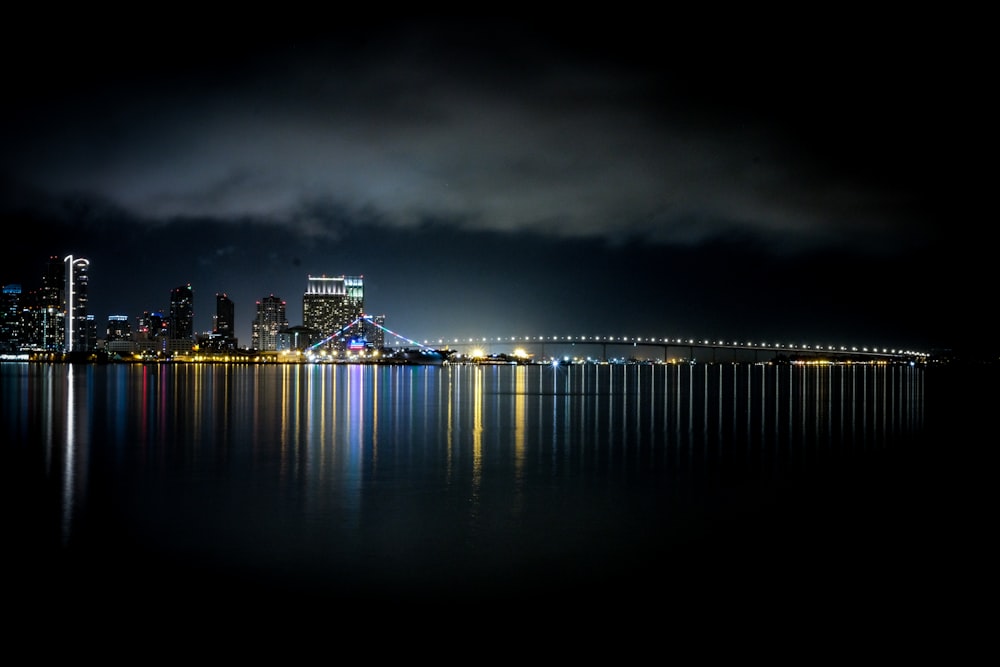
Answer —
793 180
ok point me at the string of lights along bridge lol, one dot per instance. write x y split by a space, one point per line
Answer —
510 345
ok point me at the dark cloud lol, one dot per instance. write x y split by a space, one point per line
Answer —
550 159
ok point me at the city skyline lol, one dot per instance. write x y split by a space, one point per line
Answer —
515 178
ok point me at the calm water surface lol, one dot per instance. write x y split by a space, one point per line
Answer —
464 482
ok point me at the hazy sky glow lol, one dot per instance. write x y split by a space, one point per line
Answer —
507 178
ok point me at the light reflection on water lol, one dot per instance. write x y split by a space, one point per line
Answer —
408 476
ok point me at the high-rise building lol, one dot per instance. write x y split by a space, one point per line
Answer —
118 328
330 304
43 314
11 330
224 316
223 336
374 331
182 313
151 325
75 295
88 333
270 321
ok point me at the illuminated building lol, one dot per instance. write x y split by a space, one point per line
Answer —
118 328
224 316
182 313
10 318
75 295
270 321
223 336
330 304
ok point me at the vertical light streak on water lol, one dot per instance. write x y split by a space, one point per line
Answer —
610 409
903 398
900 398
305 436
195 385
736 373
625 402
286 442
454 391
705 410
864 406
791 402
777 407
555 412
146 396
539 371
226 400
884 407
477 441
520 380
830 405
69 456
842 376
720 392
803 393
749 426
375 397
676 402
690 407
763 403
654 369
816 418
302 403
666 400
162 406
328 419
573 418
337 390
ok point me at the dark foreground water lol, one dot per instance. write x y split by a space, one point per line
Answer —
705 487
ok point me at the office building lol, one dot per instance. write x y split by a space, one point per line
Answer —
43 315
151 325
118 328
225 311
182 313
270 321
330 304
77 338
10 318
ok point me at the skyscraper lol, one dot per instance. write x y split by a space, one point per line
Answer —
151 325
75 295
224 316
10 318
44 314
330 304
118 328
182 313
269 322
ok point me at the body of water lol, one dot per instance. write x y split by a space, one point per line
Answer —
461 483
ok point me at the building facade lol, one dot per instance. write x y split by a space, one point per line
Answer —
43 314
225 312
330 305
223 336
270 321
77 337
182 313
11 330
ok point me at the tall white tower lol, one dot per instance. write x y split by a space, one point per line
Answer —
76 303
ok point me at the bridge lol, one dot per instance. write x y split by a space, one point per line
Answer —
607 348
627 348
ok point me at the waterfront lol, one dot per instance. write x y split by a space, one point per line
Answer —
430 484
